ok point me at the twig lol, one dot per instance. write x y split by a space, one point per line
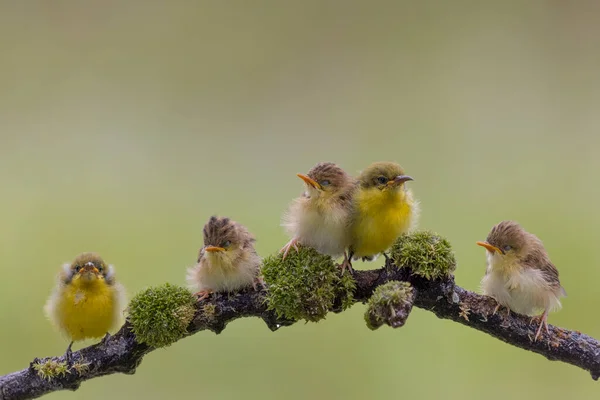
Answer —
122 353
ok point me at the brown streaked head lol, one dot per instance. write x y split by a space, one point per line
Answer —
507 236
509 239
88 266
384 176
326 177
222 234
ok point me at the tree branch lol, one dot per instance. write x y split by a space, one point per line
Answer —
122 353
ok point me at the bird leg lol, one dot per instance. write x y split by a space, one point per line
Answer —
347 263
498 307
69 353
258 281
105 338
543 322
203 294
388 262
286 249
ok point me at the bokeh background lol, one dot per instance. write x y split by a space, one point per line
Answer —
125 125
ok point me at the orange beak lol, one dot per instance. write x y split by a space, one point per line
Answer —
489 247
90 268
310 181
400 179
212 249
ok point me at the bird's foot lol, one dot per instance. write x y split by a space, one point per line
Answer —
286 249
203 294
389 264
346 264
69 355
258 283
498 308
105 338
543 322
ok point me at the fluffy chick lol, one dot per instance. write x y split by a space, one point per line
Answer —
383 210
320 218
227 262
87 301
519 273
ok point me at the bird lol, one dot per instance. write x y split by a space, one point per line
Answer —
227 262
87 301
383 209
519 274
320 217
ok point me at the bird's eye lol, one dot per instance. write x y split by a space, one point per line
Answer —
325 182
100 269
226 244
507 247
382 180
77 268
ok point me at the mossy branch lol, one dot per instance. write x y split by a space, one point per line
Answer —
396 291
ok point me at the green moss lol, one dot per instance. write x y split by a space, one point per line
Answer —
51 369
209 311
160 315
346 289
305 285
81 367
426 253
390 304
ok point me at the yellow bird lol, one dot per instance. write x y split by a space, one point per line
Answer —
227 262
520 275
383 210
87 302
320 218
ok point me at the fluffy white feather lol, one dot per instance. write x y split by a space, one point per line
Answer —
223 272
524 291
326 231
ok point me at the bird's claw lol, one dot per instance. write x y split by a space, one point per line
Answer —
286 249
105 338
69 354
543 322
346 264
258 281
203 294
498 308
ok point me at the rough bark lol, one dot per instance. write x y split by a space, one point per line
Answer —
122 353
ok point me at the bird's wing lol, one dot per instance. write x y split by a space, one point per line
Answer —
344 200
543 263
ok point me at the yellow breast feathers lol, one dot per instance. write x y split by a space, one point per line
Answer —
87 310
380 218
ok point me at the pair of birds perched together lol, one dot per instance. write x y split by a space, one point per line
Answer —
337 215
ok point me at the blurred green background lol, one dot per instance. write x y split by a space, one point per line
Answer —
125 125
